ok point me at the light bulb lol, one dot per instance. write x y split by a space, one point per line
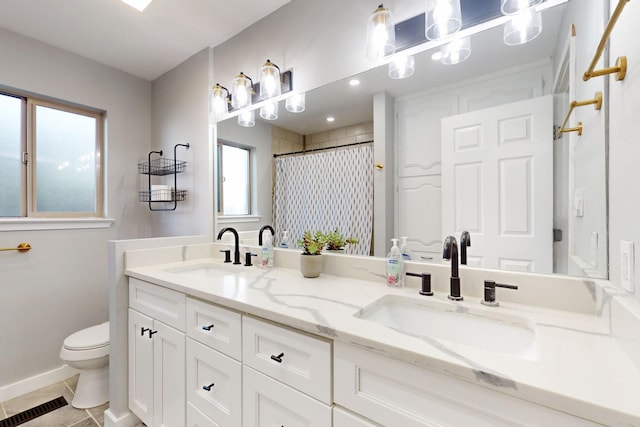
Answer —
402 66
523 27
242 91
269 80
295 103
247 118
456 51
381 37
443 18
269 111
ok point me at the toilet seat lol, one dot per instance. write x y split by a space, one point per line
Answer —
95 337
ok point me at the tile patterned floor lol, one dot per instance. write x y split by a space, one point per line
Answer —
67 416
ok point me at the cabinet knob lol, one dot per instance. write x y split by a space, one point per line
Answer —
208 327
208 387
277 358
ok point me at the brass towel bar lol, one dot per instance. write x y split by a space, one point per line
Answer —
22 247
621 63
596 102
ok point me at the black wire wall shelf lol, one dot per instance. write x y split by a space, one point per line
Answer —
161 199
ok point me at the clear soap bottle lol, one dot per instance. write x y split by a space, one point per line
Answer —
404 250
395 266
267 252
284 243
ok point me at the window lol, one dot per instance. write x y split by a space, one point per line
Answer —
234 180
50 159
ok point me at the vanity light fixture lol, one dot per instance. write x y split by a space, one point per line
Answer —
523 27
295 103
270 80
381 36
269 111
247 118
219 101
241 91
139 5
512 7
456 51
443 18
402 66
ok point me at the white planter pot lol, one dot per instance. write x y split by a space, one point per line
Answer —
310 265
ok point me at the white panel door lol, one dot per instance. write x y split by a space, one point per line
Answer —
497 183
140 366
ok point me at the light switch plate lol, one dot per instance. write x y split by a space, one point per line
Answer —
627 266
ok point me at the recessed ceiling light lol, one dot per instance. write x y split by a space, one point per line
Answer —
331 119
354 82
138 4
437 56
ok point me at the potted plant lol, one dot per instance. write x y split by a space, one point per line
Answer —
337 242
311 259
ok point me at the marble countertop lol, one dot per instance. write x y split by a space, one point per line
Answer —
578 368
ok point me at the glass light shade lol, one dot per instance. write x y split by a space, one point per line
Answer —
402 66
218 105
381 34
456 51
241 91
247 118
295 103
443 18
269 111
511 7
523 27
270 81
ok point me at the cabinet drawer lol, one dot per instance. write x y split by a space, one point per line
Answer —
344 418
296 359
215 327
391 392
196 418
214 384
163 304
270 403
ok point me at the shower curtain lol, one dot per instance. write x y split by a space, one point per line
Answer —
324 191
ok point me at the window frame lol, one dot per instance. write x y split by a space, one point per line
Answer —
29 215
219 179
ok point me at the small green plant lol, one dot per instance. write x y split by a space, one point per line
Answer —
312 244
336 240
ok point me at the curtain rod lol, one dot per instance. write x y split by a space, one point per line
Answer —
321 149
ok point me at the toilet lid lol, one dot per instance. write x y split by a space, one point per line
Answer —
89 338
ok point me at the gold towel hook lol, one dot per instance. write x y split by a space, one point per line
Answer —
22 247
621 63
597 105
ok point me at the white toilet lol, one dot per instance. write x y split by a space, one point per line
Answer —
88 351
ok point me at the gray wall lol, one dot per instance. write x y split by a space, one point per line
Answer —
60 286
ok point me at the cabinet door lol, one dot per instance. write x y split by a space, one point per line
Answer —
141 366
169 376
268 403
214 384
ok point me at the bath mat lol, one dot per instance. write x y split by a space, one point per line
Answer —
34 412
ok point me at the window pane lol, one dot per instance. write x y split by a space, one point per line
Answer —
65 161
235 183
10 155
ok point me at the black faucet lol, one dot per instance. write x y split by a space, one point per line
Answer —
236 253
450 251
265 227
465 241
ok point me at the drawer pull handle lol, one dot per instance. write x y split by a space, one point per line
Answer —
277 358
207 328
143 330
208 387
151 333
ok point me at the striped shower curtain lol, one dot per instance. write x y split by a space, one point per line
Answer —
324 191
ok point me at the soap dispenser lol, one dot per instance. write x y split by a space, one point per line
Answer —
395 266
404 250
284 243
267 252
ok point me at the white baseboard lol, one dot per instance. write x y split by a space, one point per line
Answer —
36 382
127 420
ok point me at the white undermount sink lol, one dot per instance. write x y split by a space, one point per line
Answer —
461 324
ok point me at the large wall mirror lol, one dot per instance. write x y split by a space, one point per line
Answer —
541 208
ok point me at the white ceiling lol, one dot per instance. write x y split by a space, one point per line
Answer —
146 44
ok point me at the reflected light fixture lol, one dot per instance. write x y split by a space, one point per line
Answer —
381 36
523 27
443 18
295 103
354 82
402 66
241 91
456 51
270 80
247 118
511 7
218 101
139 5
331 119
269 111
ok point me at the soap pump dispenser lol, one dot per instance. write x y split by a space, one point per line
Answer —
395 266
267 252
284 243
404 249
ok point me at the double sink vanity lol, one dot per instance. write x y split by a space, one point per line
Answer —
218 344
